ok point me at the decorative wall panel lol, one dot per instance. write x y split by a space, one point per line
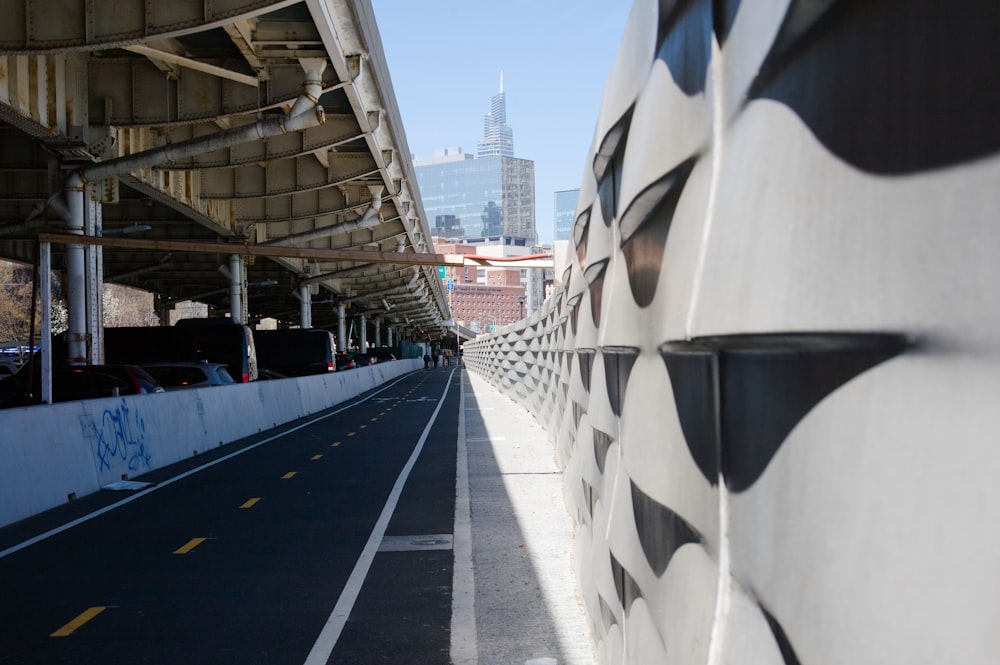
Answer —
771 372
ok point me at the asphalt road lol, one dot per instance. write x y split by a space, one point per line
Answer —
270 550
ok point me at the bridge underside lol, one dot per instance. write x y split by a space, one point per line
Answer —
199 120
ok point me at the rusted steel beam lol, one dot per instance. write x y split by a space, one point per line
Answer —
215 247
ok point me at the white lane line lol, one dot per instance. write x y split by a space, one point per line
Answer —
464 640
328 637
107 509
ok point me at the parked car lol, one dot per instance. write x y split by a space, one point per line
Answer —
364 359
8 368
296 351
76 382
269 374
181 375
218 340
344 362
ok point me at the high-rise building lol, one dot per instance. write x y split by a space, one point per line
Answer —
565 216
565 212
490 195
498 137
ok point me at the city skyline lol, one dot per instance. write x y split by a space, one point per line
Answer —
555 58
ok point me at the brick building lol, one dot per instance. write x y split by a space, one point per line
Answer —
482 297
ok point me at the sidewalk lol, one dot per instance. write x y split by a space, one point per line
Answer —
516 597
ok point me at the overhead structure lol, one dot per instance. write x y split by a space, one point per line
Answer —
242 125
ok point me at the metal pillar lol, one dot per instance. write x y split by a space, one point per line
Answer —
363 337
45 287
305 306
76 284
389 335
94 257
236 288
378 331
342 328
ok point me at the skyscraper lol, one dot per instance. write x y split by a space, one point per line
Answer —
498 137
565 213
490 195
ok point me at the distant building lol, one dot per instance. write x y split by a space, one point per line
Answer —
524 287
498 137
565 213
483 308
447 226
489 195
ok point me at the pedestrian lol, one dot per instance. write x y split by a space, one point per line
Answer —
427 361
434 357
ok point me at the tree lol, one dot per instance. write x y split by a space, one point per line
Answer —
15 303
125 306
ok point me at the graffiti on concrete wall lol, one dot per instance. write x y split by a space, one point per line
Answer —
118 436
771 366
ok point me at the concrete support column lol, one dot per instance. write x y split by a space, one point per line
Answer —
305 306
363 337
389 335
378 331
236 288
342 328
76 276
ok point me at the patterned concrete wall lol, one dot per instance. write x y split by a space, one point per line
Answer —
771 374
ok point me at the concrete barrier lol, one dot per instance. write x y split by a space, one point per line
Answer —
49 454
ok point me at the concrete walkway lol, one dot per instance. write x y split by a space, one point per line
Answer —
516 595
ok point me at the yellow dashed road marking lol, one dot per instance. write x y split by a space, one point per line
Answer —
189 545
84 617
335 444
288 475
316 457
250 502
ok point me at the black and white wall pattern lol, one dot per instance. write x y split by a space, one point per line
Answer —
772 373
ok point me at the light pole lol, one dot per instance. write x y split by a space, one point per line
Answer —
520 301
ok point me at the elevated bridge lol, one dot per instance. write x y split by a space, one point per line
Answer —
252 152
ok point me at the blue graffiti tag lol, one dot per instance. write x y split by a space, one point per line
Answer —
120 434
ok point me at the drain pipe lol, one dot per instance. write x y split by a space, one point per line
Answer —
305 306
236 288
76 283
304 114
342 327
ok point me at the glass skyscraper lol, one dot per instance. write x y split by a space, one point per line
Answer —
565 212
490 195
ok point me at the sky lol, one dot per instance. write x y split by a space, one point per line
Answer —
445 59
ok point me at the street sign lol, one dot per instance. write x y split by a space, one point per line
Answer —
441 272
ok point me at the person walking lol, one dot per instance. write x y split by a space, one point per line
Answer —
434 358
427 361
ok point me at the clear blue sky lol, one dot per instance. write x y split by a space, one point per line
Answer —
445 59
